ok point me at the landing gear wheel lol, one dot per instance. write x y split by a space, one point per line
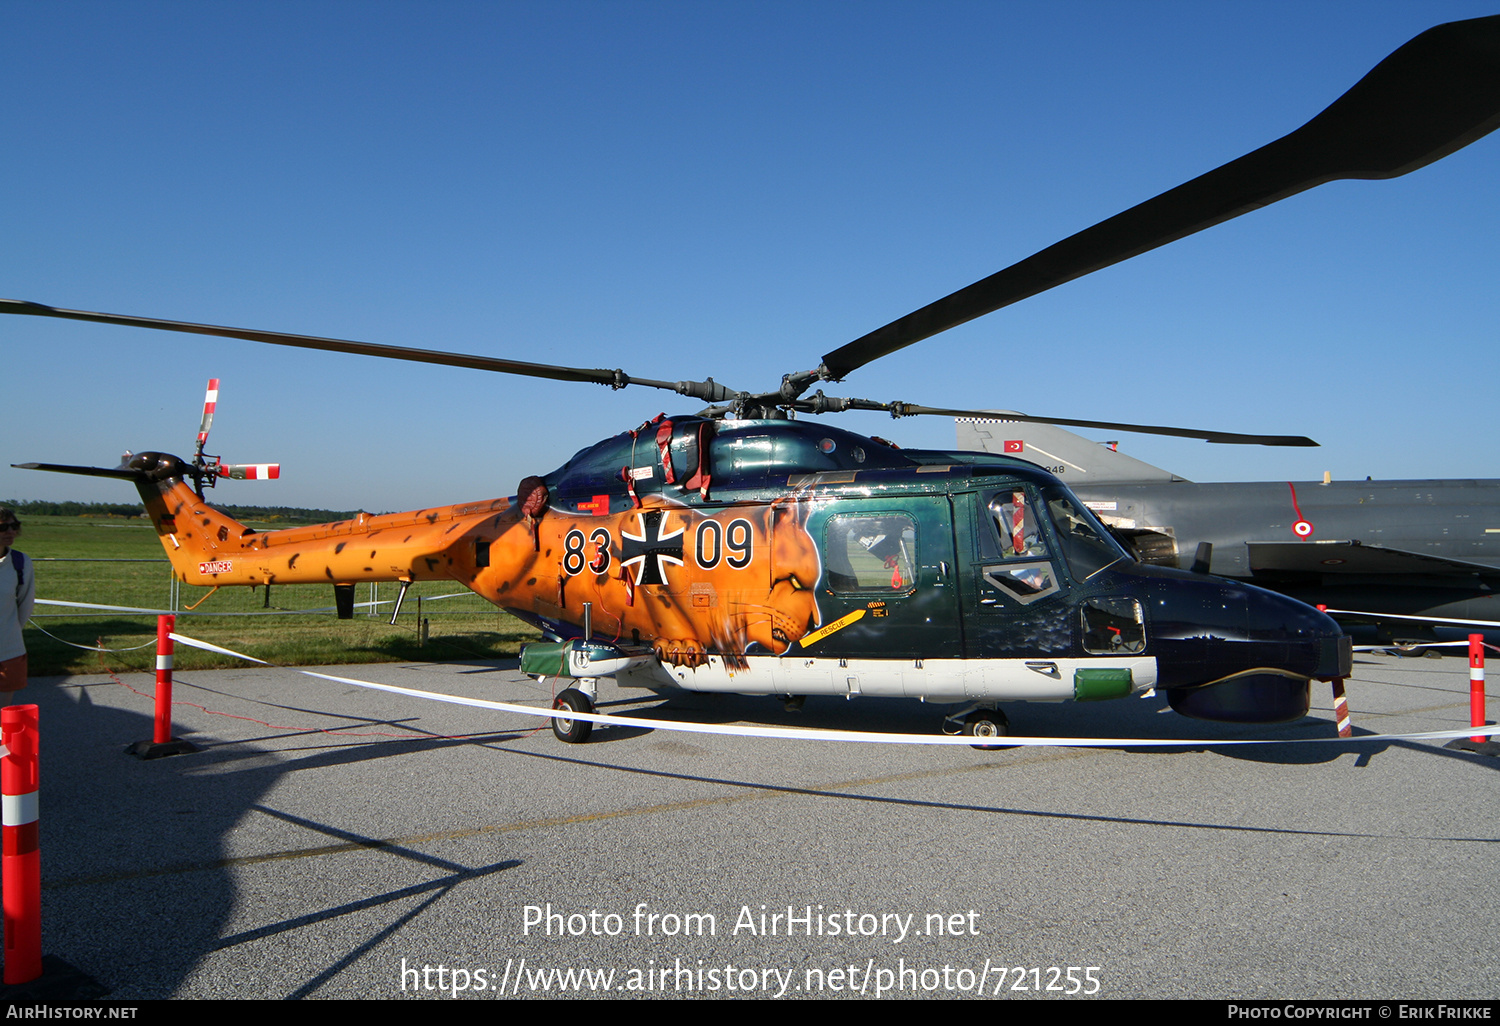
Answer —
574 732
986 723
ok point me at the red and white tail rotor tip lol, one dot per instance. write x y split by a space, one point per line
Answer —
210 401
250 471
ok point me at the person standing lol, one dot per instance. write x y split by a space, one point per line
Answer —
17 596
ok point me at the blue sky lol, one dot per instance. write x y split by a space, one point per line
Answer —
695 189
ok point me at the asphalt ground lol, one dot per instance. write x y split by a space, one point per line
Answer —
357 848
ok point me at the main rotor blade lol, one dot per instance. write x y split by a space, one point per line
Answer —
613 378
1435 95
1227 437
828 404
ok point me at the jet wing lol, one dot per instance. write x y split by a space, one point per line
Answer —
1352 557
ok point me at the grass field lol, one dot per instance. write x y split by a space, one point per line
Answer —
120 563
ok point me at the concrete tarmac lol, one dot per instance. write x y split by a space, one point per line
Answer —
329 841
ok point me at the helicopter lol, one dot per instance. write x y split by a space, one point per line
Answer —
745 549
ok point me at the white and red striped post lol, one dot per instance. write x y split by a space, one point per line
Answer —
1341 709
162 743
23 857
1476 683
165 624
1340 700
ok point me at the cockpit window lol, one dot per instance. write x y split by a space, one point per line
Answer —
1113 625
1014 514
1086 546
871 553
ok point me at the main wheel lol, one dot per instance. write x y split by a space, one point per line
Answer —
986 723
566 728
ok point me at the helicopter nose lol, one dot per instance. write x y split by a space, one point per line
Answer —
1254 656
1212 629
1315 645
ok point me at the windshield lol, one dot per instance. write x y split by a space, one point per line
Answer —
1086 546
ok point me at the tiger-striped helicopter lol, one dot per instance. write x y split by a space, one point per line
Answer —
746 549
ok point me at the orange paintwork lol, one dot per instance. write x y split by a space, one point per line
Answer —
208 548
748 579
698 609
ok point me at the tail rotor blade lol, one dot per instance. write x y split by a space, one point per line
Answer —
210 401
250 471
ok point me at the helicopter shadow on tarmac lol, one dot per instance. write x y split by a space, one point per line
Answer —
855 792
138 872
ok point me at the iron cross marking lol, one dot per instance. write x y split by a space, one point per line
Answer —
651 550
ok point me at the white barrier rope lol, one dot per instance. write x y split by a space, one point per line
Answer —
799 733
89 648
189 612
1400 649
1407 616
803 734
195 643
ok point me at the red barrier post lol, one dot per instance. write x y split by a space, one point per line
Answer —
165 625
1476 683
23 858
162 742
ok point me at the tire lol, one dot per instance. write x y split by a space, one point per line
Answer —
986 723
574 732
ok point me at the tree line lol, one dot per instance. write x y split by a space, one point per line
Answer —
46 508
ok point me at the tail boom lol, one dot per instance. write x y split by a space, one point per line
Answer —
208 548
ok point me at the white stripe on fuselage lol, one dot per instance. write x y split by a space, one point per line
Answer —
937 680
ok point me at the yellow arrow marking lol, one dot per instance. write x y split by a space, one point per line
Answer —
837 625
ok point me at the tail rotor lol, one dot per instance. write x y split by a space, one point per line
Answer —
208 469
